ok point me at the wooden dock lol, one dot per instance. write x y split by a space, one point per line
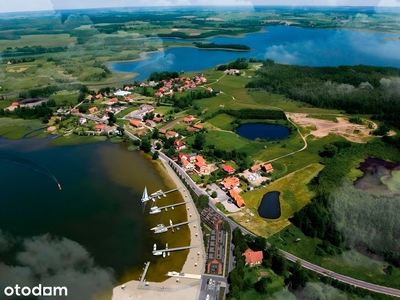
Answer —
173 205
176 249
143 277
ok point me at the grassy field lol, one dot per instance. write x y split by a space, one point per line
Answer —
17 128
222 121
45 40
294 195
74 139
350 263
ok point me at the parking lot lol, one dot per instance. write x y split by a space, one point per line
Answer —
210 287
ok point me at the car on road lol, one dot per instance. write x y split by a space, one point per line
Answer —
208 297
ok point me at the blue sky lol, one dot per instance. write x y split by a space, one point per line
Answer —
34 5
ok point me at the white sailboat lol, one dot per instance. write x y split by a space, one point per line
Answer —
154 210
166 247
145 196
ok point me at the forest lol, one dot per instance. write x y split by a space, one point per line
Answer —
354 89
224 46
344 216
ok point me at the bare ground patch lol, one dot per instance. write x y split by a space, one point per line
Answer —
320 128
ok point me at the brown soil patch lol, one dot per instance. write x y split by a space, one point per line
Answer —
15 70
51 128
321 128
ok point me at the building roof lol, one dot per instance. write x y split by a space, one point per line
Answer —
135 123
253 257
179 143
255 168
197 126
268 168
230 182
237 198
15 104
228 169
100 126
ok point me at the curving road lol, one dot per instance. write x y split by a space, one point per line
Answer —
325 272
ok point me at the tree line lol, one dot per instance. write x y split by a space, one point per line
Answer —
224 46
354 89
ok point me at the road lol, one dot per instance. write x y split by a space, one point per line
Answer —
288 256
104 121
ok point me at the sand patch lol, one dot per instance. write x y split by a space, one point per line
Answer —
51 128
320 128
15 70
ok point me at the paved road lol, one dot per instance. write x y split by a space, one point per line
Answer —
305 264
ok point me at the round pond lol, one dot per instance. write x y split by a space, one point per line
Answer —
265 131
270 207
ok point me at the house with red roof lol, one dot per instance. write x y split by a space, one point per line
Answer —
197 127
255 168
99 96
100 127
150 123
187 120
185 162
74 111
89 97
93 109
253 257
228 169
201 166
82 121
157 119
268 168
230 183
237 198
179 144
14 104
135 123
171 134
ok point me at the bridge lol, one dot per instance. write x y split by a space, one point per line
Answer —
176 249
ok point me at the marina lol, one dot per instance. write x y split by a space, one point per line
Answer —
175 249
157 194
160 228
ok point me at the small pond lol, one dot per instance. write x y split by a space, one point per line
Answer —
270 207
264 131
379 175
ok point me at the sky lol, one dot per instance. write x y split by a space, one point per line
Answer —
38 5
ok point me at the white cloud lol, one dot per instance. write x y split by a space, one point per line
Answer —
23 5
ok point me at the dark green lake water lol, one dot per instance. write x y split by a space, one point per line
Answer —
99 206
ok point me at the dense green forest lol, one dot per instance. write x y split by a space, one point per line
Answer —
354 89
344 216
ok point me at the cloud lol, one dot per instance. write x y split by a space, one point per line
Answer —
319 291
58 262
22 5
281 54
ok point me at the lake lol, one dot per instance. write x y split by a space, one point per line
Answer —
97 231
270 207
284 44
264 131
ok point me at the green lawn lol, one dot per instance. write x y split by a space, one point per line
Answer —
17 128
294 196
222 121
45 40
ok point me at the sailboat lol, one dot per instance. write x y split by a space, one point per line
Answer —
154 210
145 196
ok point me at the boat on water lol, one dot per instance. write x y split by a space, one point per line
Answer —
145 196
155 247
172 226
159 226
163 254
157 253
156 210
161 230
166 247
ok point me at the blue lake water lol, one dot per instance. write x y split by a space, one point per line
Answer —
284 44
270 207
265 131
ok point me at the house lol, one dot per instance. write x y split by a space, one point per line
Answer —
14 104
185 162
201 166
100 127
157 119
58 118
268 168
253 257
231 71
99 96
135 123
162 131
146 107
228 169
172 134
255 168
187 120
197 127
142 132
113 100
93 109
82 121
89 97
190 129
236 197
150 123
230 183
74 111
179 145
122 93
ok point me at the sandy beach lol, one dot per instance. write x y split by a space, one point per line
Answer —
176 287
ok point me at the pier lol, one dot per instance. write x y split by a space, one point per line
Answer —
146 197
176 249
142 278
173 205
176 225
